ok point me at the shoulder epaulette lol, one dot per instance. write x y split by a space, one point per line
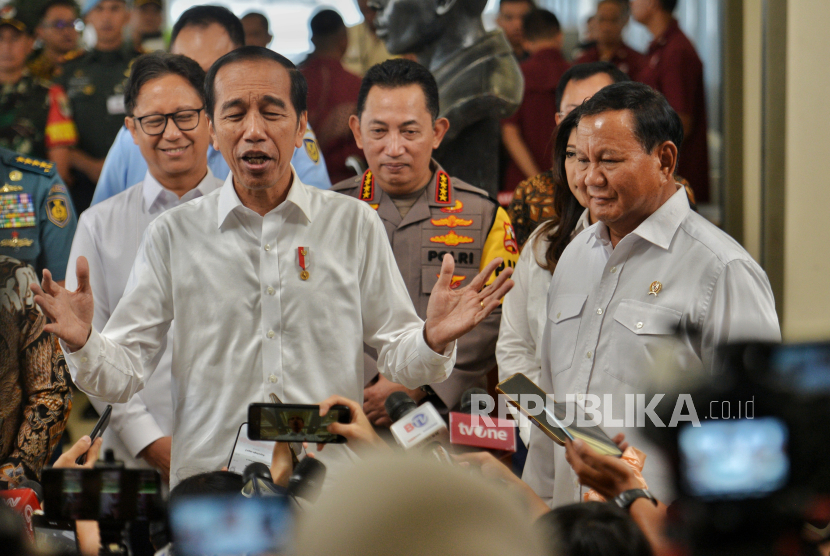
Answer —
350 183
73 55
28 163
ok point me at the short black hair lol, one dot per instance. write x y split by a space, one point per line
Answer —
299 86
259 16
580 72
210 483
540 24
625 7
158 64
655 121
326 23
71 4
203 16
531 2
668 5
399 72
593 529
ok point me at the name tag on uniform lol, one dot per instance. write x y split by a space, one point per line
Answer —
115 105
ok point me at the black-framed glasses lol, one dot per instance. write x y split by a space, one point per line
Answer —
61 24
155 124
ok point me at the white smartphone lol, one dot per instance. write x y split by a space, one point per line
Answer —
246 451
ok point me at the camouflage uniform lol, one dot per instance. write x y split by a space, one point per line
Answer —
42 67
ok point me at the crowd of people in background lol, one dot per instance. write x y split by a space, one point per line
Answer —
194 224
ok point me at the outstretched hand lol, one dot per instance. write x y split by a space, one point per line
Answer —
452 313
70 313
607 475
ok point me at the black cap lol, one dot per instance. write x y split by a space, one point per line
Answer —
466 403
399 404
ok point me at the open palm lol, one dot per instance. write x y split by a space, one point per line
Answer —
70 313
452 313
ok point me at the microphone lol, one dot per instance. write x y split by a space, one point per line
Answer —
306 480
485 433
258 482
414 426
24 500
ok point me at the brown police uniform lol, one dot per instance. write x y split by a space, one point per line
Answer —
449 217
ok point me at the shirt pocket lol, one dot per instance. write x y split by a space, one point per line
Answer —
641 332
563 322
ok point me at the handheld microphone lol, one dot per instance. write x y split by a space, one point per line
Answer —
485 433
306 480
258 482
412 425
24 500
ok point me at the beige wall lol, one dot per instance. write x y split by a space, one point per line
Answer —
752 93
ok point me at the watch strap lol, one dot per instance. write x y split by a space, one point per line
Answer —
625 499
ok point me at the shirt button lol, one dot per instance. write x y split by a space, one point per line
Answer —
613 270
589 355
559 314
267 246
579 396
639 325
272 378
599 311
84 359
271 291
270 334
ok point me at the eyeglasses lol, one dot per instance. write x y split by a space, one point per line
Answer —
61 24
155 124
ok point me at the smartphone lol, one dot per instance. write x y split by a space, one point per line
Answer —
734 459
53 536
560 421
231 525
97 431
295 422
246 451
102 494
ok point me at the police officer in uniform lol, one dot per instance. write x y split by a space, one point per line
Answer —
37 220
95 84
427 214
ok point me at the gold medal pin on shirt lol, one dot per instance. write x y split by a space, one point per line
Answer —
655 288
302 252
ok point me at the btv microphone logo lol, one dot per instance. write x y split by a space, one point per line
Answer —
417 421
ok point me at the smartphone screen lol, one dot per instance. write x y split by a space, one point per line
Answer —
559 420
231 525
804 368
295 423
246 451
102 494
744 458
54 537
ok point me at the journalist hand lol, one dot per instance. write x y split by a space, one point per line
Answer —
358 432
607 475
67 459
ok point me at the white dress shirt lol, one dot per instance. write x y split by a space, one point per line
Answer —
524 313
109 235
605 332
247 325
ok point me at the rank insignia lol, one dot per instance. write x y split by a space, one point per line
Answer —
58 212
655 288
11 188
451 239
16 242
456 281
457 207
367 186
451 222
442 188
312 150
15 175
510 244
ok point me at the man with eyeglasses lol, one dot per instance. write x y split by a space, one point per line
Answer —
164 100
58 31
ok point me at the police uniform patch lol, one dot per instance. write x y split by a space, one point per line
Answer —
510 243
17 210
58 210
58 188
15 175
456 281
451 239
312 149
367 186
451 222
457 207
443 189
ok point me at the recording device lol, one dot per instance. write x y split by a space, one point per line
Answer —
258 482
55 537
306 480
24 500
560 421
295 422
225 525
246 451
97 432
415 426
479 431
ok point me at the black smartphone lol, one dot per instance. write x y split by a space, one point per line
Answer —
559 420
53 536
284 422
97 432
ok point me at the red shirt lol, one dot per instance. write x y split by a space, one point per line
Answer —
535 117
675 70
332 98
628 60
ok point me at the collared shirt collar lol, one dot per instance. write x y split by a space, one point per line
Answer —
297 195
153 189
659 228
673 27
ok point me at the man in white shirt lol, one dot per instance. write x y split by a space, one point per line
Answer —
274 285
651 282
109 233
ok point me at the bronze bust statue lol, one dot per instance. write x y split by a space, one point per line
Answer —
479 80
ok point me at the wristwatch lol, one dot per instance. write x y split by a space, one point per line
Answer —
625 499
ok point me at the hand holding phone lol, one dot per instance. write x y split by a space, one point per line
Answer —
295 422
97 432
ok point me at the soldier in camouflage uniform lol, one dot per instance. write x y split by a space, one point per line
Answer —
34 116
57 29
